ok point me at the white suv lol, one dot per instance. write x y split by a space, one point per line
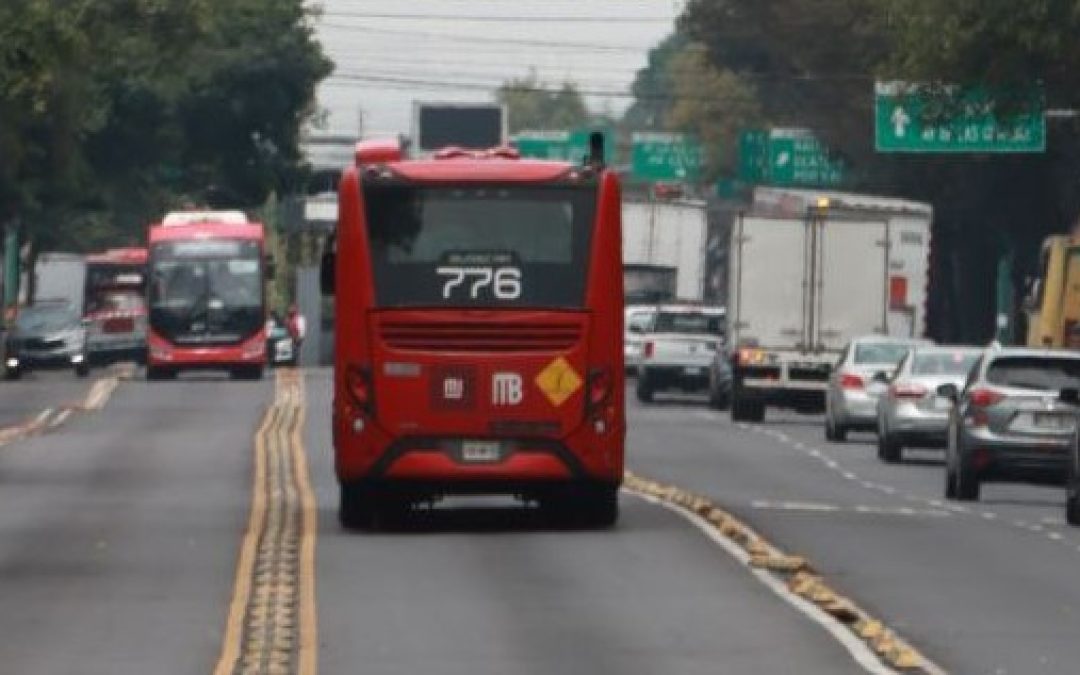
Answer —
678 345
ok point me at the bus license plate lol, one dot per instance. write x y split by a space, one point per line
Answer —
690 371
481 451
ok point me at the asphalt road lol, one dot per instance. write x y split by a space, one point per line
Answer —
982 588
37 390
479 587
120 532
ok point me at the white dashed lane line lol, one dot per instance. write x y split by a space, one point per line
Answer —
936 505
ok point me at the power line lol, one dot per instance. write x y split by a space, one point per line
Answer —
453 37
499 19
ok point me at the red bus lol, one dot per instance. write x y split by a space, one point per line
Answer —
114 305
206 295
478 333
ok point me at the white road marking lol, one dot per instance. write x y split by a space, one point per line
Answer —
859 650
61 418
42 416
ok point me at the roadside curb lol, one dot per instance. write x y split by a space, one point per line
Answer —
50 419
793 573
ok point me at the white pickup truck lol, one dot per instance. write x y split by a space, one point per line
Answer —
678 346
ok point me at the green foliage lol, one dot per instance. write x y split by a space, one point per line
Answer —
813 64
535 107
713 104
112 111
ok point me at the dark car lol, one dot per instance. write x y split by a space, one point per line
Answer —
47 335
1009 424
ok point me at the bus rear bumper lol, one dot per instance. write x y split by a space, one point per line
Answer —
445 465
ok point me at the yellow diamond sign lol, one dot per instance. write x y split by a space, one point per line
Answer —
558 380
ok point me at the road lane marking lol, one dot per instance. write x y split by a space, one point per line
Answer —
861 509
876 648
270 626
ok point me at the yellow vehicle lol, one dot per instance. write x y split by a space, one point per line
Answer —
1053 305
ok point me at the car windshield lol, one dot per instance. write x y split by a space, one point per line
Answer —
944 363
33 319
1035 372
884 353
688 322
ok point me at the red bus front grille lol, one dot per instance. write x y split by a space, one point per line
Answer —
480 337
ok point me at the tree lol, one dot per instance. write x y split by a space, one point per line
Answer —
112 111
714 105
814 63
533 106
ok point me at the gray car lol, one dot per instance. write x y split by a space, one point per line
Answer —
858 380
1009 424
49 334
910 411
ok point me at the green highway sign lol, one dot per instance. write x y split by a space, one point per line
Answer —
663 156
901 124
787 157
565 145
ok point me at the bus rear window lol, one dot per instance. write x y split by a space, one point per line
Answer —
479 246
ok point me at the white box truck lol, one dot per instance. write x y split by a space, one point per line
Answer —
809 272
664 250
60 276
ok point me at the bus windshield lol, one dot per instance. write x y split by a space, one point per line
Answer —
487 246
206 291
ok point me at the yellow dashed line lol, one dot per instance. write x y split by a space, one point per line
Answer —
271 622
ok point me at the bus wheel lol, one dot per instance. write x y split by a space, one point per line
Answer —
600 506
582 506
82 369
356 510
160 373
246 373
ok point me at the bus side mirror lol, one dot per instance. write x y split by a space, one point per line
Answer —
328 268
270 265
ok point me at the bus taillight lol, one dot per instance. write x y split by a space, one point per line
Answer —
358 383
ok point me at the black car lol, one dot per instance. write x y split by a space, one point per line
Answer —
46 335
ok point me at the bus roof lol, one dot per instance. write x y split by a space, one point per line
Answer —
486 169
132 255
205 230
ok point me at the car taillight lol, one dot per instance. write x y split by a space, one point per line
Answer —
851 381
648 349
984 398
358 382
912 391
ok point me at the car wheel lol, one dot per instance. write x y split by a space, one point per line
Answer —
717 400
82 369
889 450
1072 508
644 388
967 482
13 373
1072 490
756 410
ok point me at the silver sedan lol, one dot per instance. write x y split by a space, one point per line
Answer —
858 380
910 412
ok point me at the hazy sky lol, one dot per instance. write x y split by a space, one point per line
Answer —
389 53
